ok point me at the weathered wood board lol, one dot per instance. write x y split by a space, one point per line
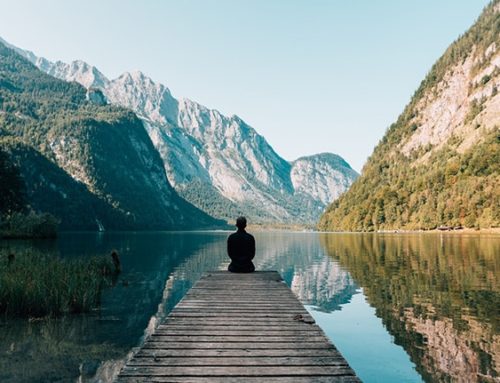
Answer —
238 328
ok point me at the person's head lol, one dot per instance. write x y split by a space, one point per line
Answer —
241 223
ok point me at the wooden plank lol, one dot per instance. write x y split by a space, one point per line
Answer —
248 379
262 371
260 326
237 306
256 338
217 294
242 286
228 282
231 297
238 328
251 327
241 303
243 314
281 379
246 292
248 353
241 361
236 345
218 308
243 321
189 331
238 298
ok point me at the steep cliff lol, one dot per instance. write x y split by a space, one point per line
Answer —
439 163
98 158
218 163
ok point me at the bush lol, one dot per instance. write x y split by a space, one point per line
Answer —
30 225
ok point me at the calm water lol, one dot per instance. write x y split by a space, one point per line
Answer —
400 308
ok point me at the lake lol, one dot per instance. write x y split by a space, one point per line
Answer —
400 307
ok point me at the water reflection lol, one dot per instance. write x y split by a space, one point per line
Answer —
83 346
439 295
158 269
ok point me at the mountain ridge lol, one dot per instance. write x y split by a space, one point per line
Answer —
101 150
438 164
205 152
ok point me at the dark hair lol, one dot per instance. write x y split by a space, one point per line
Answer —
241 222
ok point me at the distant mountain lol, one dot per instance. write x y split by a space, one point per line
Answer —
323 177
439 163
90 165
218 163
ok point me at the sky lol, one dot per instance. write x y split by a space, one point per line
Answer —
311 76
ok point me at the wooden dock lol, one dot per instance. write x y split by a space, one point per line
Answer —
238 328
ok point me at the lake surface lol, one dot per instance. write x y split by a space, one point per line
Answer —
400 307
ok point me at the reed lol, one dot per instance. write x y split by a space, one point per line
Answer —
37 285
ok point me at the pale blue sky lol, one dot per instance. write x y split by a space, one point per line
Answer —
311 76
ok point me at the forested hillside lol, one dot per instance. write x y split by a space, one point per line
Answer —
439 163
90 165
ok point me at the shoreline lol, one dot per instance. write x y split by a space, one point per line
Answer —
495 230
264 228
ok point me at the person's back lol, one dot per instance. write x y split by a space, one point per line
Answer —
241 249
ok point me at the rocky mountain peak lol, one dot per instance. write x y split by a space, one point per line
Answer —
320 175
150 100
87 75
219 163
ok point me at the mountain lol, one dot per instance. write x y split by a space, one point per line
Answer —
323 177
88 164
439 163
218 163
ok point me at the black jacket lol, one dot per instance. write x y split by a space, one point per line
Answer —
241 250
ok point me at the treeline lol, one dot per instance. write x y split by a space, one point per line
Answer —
17 219
205 197
450 189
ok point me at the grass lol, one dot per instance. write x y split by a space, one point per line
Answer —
38 285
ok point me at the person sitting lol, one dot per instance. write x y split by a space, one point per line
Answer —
241 249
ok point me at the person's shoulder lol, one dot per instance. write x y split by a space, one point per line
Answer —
250 235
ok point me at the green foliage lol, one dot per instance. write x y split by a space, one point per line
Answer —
205 197
475 108
451 189
12 187
486 78
447 188
38 285
28 225
84 163
48 188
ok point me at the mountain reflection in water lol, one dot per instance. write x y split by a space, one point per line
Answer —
437 296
